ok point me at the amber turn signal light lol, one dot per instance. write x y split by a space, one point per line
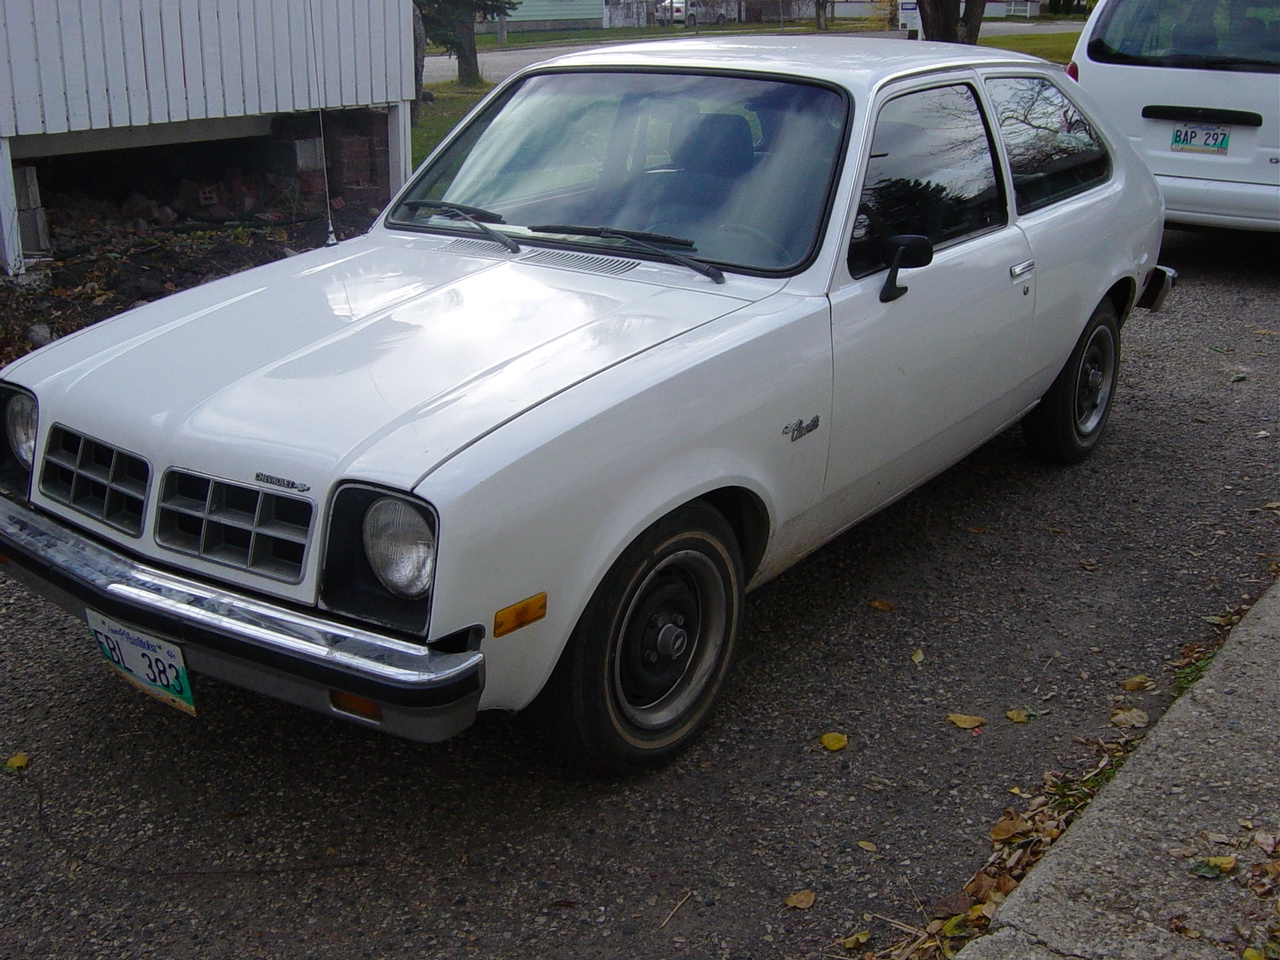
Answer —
519 615
355 705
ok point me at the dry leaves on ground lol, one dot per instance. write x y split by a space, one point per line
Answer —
1019 839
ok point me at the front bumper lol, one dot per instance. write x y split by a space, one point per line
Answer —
290 655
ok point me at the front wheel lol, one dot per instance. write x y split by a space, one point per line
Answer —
1069 420
646 663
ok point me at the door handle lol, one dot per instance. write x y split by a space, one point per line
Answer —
1020 269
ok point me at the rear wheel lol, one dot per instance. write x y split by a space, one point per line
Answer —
1069 420
647 661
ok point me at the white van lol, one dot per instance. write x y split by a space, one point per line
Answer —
1195 84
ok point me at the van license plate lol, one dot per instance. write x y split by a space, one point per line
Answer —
1200 138
149 663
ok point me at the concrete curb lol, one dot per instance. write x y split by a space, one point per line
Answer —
1110 886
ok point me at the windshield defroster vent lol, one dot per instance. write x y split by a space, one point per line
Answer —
611 266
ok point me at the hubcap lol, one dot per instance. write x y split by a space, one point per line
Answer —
1095 381
670 640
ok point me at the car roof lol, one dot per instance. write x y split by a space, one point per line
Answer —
856 62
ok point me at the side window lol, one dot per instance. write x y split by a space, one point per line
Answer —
1053 151
930 173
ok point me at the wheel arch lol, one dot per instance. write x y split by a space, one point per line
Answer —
1123 294
748 516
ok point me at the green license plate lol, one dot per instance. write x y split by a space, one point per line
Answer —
149 663
1200 138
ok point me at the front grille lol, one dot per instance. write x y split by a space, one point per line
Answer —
96 479
235 525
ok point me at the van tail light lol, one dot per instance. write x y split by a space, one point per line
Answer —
1073 71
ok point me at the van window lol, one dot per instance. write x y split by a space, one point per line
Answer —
1195 34
1053 150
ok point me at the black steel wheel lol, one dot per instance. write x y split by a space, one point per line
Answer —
646 663
1070 419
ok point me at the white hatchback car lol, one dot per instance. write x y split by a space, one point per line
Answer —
655 322
1195 85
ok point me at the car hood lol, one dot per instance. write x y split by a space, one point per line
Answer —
376 359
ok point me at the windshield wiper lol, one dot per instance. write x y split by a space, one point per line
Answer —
476 216
638 238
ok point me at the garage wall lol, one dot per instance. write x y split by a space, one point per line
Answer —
95 64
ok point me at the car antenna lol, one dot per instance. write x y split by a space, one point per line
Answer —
324 155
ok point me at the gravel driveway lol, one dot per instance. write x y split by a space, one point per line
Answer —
259 830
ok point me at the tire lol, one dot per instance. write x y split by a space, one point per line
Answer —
719 19
1070 419
647 661
690 22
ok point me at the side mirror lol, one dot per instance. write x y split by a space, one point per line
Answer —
904 251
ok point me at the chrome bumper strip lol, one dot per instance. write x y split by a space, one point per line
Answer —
75 572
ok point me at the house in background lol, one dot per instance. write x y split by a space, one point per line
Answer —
93 75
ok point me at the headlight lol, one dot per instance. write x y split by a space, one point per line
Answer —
400 547
20 425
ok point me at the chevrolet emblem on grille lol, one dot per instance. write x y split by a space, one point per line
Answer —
281 482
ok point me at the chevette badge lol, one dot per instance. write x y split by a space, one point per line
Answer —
798 428
282 482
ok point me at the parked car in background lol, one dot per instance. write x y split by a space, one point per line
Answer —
1195 86
652 324
690 13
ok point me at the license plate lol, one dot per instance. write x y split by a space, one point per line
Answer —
149 663
1200 138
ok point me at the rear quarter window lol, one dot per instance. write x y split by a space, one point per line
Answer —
1241 35
1054 152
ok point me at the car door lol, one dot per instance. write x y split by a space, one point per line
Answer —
922 379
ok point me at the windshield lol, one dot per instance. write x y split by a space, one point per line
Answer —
1196 34
732 170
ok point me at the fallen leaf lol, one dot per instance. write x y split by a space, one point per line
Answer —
977 529
1210 868
1134 684
1017 716
1133 717
1267 841
883 605
802 900
868 846
855 940
918 657
17 762
957 926
1239 378
951 905
1008 827
964 721
1251 954
834 741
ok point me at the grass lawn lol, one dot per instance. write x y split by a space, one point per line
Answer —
452 102
1056 47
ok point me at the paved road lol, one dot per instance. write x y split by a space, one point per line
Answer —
260 831
497 65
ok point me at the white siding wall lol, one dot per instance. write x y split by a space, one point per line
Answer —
68 65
